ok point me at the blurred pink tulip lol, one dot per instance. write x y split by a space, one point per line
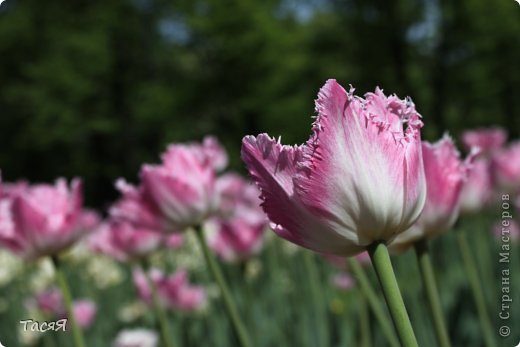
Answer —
174 241
343 281
51 302
237 232
215 152
477 191
178 193
181 295
136 338
359 178
486 139
445 174
122 241
84 313
43 220
174 292
505 165
235 239
136 209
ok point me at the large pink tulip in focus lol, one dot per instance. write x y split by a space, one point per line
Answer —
44 219
505 166
174 292
486 139
178 193
359 179
122 241
446 174
237 232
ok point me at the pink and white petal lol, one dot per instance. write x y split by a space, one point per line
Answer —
362 176
273 167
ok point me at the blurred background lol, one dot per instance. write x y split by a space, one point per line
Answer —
95 88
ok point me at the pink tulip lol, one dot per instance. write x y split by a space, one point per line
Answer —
84 313
135 208
505 167
215 152
122 241
43 220
13 189
359 179
507 229
237 233
486 139
143 287
477 191
239 198
174 292
235 239
178 193
174 241
136 338
343 281
181 295
49 301
445 177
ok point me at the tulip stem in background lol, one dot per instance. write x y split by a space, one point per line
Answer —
394 300
432 294
160 313
316 297
77 334
373 301
232 311
364 322
476 288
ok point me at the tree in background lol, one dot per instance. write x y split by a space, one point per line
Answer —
94 88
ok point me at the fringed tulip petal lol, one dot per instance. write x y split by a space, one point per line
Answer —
359 179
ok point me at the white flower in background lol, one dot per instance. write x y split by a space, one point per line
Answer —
190 255
43 276
104 271
79 253
131 312
10 267
28 337
136 338
253 269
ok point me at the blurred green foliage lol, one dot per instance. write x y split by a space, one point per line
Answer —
95 88
273 293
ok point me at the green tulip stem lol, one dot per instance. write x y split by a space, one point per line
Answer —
237 322
373 301
476 288
432 294
381 261
77 334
